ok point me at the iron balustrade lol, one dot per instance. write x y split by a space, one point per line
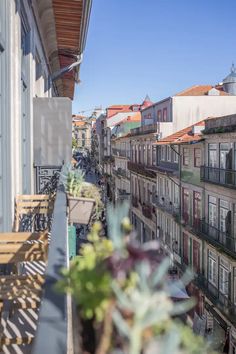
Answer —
168 206
135 201
222 301
147 211
224 177
217 237
140 169
46 183
118 152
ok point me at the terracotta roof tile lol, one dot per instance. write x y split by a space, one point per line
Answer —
185 135
201 90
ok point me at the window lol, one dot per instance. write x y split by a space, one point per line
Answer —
212 271
149 156
168 153
212 211
165 115
196 256
197 157
176 194
163 153
212 155
185 156
225 159
224 277
197 207
154 157
167 188
159 115
176 157
224 216
186 205
185 249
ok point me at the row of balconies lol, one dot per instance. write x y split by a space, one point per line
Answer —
141 169
224 177
119 152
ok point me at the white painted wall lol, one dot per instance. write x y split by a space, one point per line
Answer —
188 110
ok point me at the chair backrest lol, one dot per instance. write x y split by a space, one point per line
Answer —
18 247
33 212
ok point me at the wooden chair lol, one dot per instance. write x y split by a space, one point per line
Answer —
33 212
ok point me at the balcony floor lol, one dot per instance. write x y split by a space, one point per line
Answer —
23 322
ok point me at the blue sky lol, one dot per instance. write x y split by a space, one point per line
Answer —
159 47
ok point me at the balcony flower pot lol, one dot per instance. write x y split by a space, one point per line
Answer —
84 199
80 209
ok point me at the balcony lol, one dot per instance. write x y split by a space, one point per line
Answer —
134 201
123 194
119 152
168 206
221 301
145 129
147 211
220 176
141 169
212 234
120 172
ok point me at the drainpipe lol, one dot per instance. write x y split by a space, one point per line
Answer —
68 68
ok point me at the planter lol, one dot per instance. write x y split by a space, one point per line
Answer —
80 210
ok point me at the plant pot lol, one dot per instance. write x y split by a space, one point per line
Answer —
80 210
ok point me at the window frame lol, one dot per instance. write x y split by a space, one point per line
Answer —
185 156
163 153
164 115
196 158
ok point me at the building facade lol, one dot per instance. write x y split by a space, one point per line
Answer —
196 224
32 57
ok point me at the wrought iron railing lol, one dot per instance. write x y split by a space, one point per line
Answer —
119 152
135 201
46 179
217 237
147 211
168 206
224 177
222 301
141 169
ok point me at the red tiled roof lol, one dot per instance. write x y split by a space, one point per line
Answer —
185 135
134 118
201 90
79 123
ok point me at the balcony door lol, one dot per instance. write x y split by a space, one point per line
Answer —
186 205
197 209
225 163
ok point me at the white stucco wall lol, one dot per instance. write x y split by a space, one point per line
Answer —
52 131
188 110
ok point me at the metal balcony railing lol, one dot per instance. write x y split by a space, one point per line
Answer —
119 152
135 201
141 169
224 177
147 211
168 206
220 238
221 301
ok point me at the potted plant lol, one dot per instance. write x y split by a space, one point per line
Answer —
84 199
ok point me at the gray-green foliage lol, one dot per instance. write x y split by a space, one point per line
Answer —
72 179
